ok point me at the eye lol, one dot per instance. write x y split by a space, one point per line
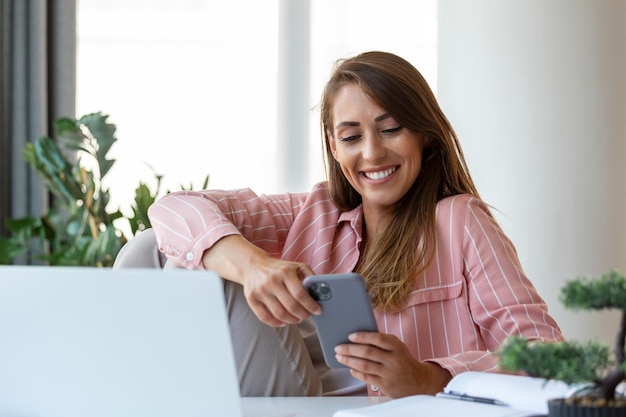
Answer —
350 138
392 131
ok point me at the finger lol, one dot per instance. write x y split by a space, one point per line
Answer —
304 299
369 352
272 297
304 271
382 341
285 308
367 378
265 316
293 297
366 368
390 358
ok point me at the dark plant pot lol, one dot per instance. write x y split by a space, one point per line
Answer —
560 408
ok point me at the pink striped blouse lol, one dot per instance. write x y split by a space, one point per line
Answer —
473 295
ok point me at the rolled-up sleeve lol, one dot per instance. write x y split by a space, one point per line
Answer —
187 223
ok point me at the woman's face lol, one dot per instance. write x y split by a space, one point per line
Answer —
379 157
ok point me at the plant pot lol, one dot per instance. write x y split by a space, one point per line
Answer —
563 408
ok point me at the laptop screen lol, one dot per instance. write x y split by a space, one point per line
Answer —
126 342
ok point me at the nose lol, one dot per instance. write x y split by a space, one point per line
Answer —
373 148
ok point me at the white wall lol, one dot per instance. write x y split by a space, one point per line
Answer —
537 94
193 86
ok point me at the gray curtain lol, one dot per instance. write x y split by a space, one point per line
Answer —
38 71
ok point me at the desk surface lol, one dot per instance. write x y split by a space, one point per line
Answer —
303 406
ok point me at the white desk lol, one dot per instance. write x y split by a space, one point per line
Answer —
303 406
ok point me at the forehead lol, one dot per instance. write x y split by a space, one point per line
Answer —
351 104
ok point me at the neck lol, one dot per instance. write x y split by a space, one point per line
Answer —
373 223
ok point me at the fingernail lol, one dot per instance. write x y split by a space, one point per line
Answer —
352 336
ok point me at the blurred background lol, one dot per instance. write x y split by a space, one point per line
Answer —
534 89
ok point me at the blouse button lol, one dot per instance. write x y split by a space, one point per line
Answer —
374 388
189 256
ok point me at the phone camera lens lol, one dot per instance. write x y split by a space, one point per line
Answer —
324 292
320 291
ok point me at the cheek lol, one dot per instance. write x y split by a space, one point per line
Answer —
346 156
337 149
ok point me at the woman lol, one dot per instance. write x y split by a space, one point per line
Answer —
400 208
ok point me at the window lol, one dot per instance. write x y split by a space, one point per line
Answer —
191 84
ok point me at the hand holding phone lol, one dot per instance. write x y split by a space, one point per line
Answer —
346 308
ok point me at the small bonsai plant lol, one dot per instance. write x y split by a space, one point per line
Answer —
80 228
579 362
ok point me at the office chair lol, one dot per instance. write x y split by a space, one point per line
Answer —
141 251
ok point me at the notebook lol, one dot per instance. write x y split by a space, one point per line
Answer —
78 342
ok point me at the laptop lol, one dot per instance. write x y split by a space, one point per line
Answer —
93 342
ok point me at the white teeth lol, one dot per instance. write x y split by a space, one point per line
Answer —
380 174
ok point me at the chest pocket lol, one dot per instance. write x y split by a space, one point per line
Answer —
433 294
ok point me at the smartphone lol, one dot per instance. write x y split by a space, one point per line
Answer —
346 308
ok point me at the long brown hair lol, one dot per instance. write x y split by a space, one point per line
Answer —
408 239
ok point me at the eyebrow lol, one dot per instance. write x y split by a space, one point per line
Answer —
376 120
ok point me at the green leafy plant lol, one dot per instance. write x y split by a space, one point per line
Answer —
572 361
80 228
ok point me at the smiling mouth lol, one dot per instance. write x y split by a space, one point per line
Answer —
379 175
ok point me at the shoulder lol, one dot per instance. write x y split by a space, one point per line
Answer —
459 204
460 213
320 190
317 200
319 195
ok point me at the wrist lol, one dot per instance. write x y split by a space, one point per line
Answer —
438 377
233 257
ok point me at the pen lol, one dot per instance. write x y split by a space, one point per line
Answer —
465 397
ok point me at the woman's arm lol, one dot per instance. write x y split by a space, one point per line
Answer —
471 298
240 236
501 299
273 287
187 223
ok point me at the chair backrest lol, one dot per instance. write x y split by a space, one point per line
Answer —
141 251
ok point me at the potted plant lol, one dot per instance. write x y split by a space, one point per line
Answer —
579 362
80 228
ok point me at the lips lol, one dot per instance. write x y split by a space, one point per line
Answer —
379 175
